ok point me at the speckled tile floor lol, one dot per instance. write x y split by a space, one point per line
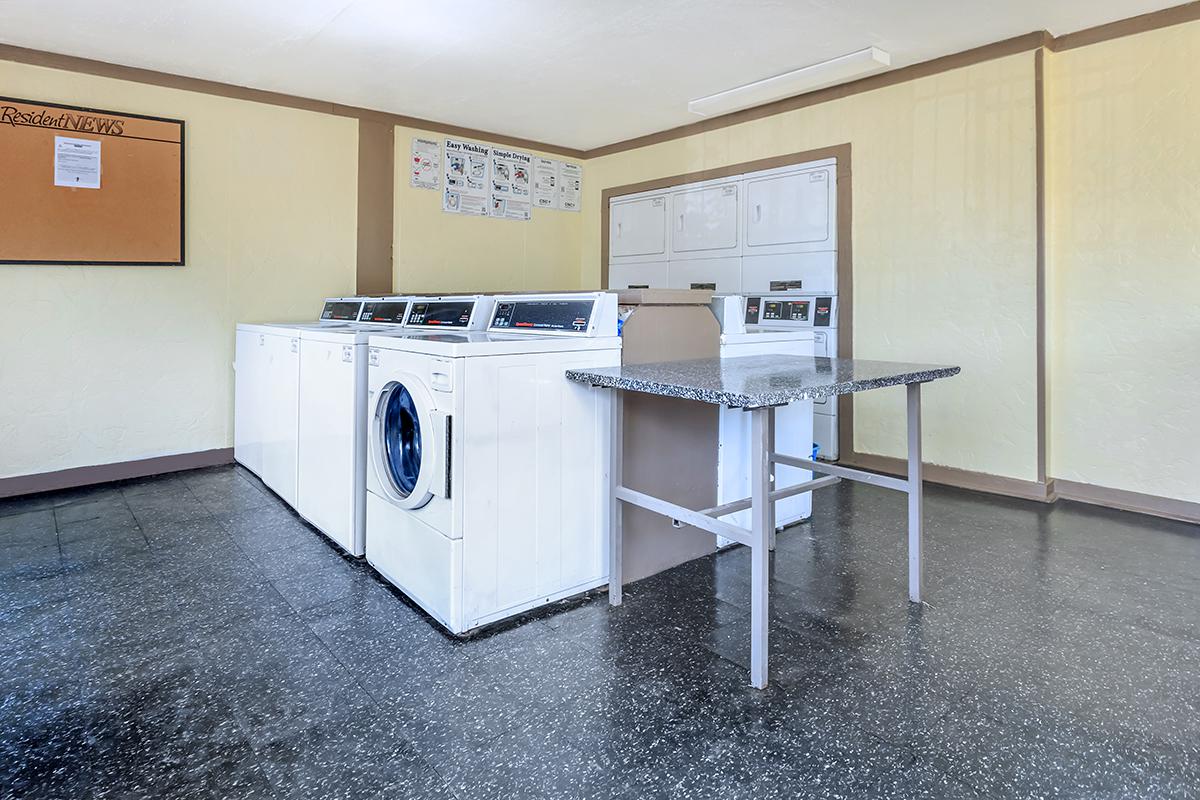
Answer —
189 636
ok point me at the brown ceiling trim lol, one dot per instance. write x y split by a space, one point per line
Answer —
104 69
988 52
1167 17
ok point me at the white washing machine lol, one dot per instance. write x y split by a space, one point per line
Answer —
266 393
486 478
332 421
778 325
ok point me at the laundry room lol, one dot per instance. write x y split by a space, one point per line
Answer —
534 400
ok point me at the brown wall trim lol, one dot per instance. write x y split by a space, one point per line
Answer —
1128 501
1176 15
376 198
104 69
960 478
1039 114
107 473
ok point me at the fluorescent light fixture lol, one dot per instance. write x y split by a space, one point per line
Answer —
798 81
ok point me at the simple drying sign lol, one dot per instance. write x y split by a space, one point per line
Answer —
87 186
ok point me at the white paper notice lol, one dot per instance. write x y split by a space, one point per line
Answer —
425 164
511 184
465 166
570 186
76 162
545 183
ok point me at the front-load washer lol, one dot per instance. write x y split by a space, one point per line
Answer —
777 325
267 389
486 477
331 453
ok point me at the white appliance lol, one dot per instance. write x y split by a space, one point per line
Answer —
266 393
785 330
486 492
332 421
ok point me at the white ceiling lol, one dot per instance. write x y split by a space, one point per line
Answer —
577 73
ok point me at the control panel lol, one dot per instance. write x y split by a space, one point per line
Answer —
789 310
387 311
341 310
441 314
570 316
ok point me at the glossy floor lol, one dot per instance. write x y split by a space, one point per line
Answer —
189 636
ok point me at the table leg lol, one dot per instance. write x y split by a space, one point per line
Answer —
762 512
914 493
771 467
616 438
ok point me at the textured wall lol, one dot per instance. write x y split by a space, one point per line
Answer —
435 251
270 212
1124 227
944 246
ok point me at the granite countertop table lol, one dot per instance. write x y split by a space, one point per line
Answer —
759 381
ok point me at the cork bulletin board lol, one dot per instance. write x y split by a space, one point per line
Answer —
87 186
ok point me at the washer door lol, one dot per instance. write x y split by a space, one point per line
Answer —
406 443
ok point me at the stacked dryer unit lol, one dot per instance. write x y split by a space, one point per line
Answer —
487 479
267 389
759 233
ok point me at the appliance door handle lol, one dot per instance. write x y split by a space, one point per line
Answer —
679 227
758 212
618 230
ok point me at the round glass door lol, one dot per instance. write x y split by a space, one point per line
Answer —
402 440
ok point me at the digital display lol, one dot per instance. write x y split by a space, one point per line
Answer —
790 310
384 311
548 315
442 314
341 310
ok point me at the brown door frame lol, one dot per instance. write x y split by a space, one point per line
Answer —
845 248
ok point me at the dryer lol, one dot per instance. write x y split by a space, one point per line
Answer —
266 393
486 478
775 325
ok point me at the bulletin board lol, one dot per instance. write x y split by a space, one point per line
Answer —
88 186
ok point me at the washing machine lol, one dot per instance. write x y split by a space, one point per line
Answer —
486 477
266 393
331 452
755 326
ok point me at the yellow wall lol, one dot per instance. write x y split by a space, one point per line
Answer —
944 246
270 213
1124 231
435 251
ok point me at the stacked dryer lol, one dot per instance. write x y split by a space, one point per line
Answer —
486 479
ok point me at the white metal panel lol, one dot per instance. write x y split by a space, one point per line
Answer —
816 272
331 448
248 400
637 229
643 275
791 212
705 221
718 274
825 430
281 376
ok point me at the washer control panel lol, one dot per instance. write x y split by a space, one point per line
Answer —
385 311
341 310
791 311
441 313
565 315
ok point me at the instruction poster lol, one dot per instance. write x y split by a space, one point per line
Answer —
425 164
545 183
570 186
511 184
76 162
466 179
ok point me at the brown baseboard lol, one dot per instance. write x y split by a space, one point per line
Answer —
1167 507
961 478
107 473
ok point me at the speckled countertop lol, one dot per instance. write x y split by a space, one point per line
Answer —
756 381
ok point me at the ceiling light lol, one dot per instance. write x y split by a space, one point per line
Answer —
798 81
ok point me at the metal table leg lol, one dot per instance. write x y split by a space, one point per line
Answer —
616 438
771 474
914 492
762 512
